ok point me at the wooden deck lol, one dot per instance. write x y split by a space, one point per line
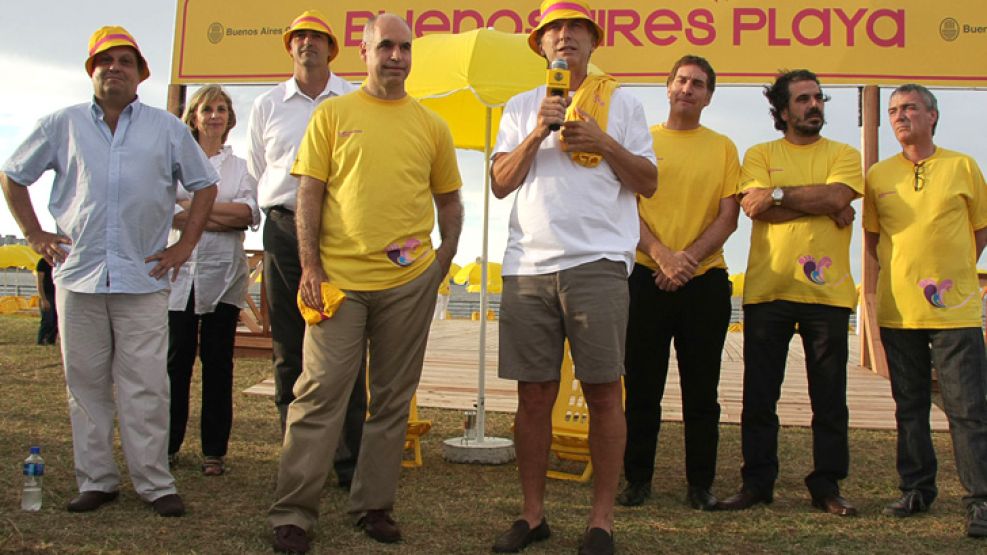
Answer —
449 380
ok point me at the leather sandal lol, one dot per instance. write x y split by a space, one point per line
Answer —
213 466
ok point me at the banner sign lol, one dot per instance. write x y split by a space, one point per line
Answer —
856 42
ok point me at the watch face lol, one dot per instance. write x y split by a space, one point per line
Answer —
777 194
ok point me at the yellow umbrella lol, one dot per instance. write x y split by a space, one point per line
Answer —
466 79
444 286
471 275
18 256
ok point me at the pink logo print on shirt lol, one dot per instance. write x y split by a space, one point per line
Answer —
403 255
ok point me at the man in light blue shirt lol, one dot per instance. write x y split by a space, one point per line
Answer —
117 163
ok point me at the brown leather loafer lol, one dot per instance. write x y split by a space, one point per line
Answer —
744 499
91 500
169 505
379 525
597 541
835 505
289 538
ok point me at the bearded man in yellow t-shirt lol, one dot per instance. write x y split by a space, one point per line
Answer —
371 165
925 217
797 190
679 288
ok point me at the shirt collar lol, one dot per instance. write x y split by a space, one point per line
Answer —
133 108
334 87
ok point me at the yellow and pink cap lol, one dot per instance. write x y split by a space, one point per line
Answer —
553 10
109 37
312 20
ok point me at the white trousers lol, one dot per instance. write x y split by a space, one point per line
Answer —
117 340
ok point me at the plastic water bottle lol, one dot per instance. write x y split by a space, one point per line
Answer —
34 471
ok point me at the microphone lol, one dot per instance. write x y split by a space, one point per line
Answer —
558 83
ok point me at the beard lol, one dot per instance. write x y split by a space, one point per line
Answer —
803 128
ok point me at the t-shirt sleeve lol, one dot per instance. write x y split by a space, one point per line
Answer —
33 157
731 170
509 134
314 157
847 170
978 203
754 172
191 167
637 137
444 177
870 218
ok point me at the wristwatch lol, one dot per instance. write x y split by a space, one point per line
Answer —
777 195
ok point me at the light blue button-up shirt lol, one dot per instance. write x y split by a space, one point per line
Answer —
114 193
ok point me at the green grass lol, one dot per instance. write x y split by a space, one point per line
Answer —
442 507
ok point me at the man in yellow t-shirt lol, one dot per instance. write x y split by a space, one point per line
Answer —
370 166
679 288
798 191
925 218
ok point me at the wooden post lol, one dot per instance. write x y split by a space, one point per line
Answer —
871 350
176 99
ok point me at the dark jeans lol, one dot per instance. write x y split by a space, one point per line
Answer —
48 327
282 272
961 365
213 335
768 330
696 317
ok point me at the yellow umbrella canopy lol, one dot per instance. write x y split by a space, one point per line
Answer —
471 276
462 76
18 256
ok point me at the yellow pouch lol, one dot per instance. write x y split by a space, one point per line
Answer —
332 297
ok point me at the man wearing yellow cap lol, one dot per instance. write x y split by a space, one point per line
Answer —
376 171
573 232
117 164
277 123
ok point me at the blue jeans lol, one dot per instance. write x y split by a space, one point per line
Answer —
959 358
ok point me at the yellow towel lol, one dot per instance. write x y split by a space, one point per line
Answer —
593 98
332 297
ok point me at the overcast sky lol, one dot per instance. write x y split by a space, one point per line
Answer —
43 70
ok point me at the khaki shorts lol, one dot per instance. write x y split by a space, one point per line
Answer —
586 304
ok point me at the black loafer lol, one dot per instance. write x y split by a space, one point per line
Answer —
289 538
379 525
597 541
520 535
701 499
634 494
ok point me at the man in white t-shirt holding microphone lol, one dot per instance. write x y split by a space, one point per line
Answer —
573 232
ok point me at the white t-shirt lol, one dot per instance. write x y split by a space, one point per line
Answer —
564 214
278 120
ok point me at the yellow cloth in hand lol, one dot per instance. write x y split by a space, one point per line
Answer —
593 99
332 297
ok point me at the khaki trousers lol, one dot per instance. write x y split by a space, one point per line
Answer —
115 348
395 322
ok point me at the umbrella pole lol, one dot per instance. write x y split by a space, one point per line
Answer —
481 398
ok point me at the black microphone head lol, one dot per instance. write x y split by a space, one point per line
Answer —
559 64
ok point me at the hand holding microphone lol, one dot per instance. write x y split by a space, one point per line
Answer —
557 82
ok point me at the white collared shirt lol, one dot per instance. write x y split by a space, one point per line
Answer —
277 123
217 267
114 192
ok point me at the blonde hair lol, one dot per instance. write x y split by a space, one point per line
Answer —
205 95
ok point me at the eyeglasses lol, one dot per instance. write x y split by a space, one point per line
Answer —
919 171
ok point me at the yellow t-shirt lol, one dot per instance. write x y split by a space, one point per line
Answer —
805 260
927 252
698 168
382 161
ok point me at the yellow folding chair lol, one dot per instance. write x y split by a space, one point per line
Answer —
413 440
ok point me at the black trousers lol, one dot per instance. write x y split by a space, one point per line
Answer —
696 318
282 273
48 327
768 330
212 335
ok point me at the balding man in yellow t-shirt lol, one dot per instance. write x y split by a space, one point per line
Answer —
797 190
925 219
371 165
679 288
